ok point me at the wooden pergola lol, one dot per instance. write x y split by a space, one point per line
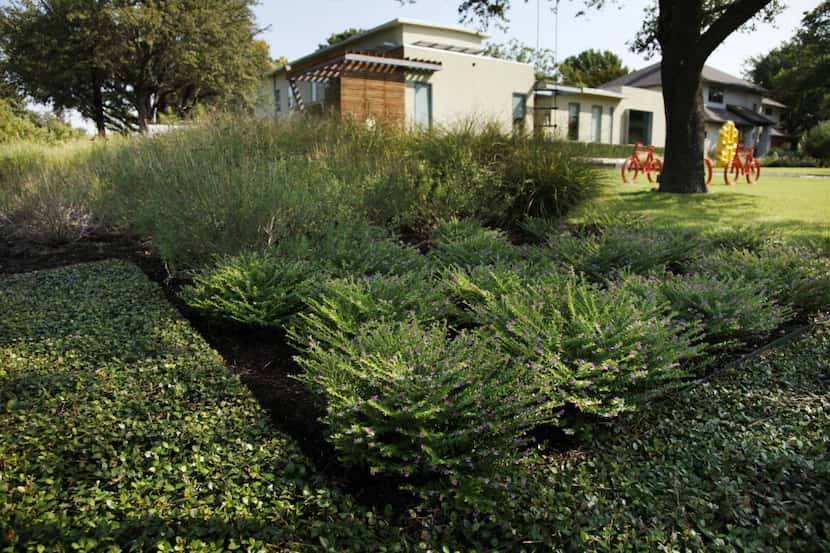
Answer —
351 63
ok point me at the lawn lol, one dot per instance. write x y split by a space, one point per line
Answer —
797 206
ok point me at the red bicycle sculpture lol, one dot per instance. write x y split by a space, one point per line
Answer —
749 168
707 168
632 166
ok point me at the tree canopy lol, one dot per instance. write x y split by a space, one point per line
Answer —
336 38
797 73
592 68
543 59
122 62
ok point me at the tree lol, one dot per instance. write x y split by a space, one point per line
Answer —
592 68
543 59
120 62
686 32
798 72
336 38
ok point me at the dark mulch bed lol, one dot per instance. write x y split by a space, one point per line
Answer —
261 358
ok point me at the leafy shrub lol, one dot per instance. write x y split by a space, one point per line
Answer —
590 347
255 288
816 142
639 250
791 276
742 237
467 243
731 310
343 305
446 414
779 157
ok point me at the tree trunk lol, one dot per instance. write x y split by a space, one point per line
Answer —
98 104
683 99
143 108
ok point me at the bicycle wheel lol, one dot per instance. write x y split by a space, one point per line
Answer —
754 172
655 169
630 170
731 172
707 170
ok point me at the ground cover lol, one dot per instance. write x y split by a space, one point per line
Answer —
120 429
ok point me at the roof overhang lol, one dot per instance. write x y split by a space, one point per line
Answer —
773 103
359 62
551 89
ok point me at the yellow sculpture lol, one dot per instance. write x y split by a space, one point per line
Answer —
727 144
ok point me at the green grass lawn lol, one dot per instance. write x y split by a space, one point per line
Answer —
797 206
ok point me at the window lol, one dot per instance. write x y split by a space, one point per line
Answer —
639 126
519 107
573 121
611 127
422 105
768 111
313 91
716 95
596 123
277 103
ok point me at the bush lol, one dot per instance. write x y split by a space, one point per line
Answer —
449 415
779 157
731 310
816 142
590 347
639 250
343 305
255 288
466 243
791 276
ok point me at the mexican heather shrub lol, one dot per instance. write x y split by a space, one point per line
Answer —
255 288
342 305
590 347
791 276
467 243
731 310
449 415
638 250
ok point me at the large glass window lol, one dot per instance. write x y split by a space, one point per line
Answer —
596 123
611 127
313 91
573 121
715 95
639 126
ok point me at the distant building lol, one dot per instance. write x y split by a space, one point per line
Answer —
420 74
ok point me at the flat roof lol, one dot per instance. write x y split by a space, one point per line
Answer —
399 22
555 89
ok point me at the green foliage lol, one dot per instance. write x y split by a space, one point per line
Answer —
542 59
731 310
467 243
21 125
793 277
120 64
592 348
257 288
796 72
816 142
448 415
777 157
121 429
592 68
343 305
337 38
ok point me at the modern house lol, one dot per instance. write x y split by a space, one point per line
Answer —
407 72
420 74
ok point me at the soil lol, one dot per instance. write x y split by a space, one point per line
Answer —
261 357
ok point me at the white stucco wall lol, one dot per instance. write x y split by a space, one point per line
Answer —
547 117
473 88
640 99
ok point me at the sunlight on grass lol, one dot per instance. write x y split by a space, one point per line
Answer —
798 206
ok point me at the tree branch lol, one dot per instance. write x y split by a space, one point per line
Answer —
733 17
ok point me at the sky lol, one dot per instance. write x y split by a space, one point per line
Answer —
295 28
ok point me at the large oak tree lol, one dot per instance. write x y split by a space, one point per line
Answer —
685 32
120 62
